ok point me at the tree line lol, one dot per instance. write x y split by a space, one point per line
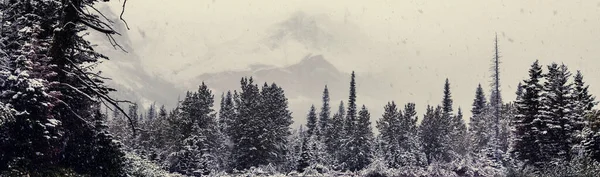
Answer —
551 122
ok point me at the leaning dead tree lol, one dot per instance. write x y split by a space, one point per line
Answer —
73 58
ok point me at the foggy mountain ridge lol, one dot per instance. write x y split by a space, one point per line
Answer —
303 81
303 84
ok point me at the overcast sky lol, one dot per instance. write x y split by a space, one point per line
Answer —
411 44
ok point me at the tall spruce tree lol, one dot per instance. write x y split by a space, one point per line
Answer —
389 128
398 135
245 127
583 100
496 99
459 134
311 122
592 141
479 125
199 135
276 119
361 144
325 114
350 124
51 89
519 91
559 122
435 135
226 113
528 124
447 100
335 133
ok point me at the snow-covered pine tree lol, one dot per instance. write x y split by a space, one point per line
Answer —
61 62
412 154
447 100
495 104
350 121
592 141
305 155
360 147
36 134
324 115
479 124
527 122
226 113
583 100
350 130
435 135
151 112
459 135
410 118
311 122
334 135
559 122
199 153
519 91
389 127
161 133
456 127
276 120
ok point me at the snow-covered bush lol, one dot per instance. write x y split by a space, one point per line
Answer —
580 165
137 166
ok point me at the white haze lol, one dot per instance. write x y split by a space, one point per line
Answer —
409 46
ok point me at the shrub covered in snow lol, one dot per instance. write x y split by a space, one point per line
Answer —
137 166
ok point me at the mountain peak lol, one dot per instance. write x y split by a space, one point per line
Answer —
314 61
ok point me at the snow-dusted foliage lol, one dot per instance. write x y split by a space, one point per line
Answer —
398 136
52 92
137 166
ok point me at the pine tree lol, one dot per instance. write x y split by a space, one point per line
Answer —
410 118
496 100
25 89
325 114
459 134
559 122
350 124
151 115
519 91
276 119
226 113
260 130
349 140
447 101
311 123
479 125
584 102
389 127
305 158
435 135
527 122
197 125
592 141
52 85
398 133
456 127
334 135
360 146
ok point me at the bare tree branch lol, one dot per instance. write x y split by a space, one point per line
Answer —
102 30
122 12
